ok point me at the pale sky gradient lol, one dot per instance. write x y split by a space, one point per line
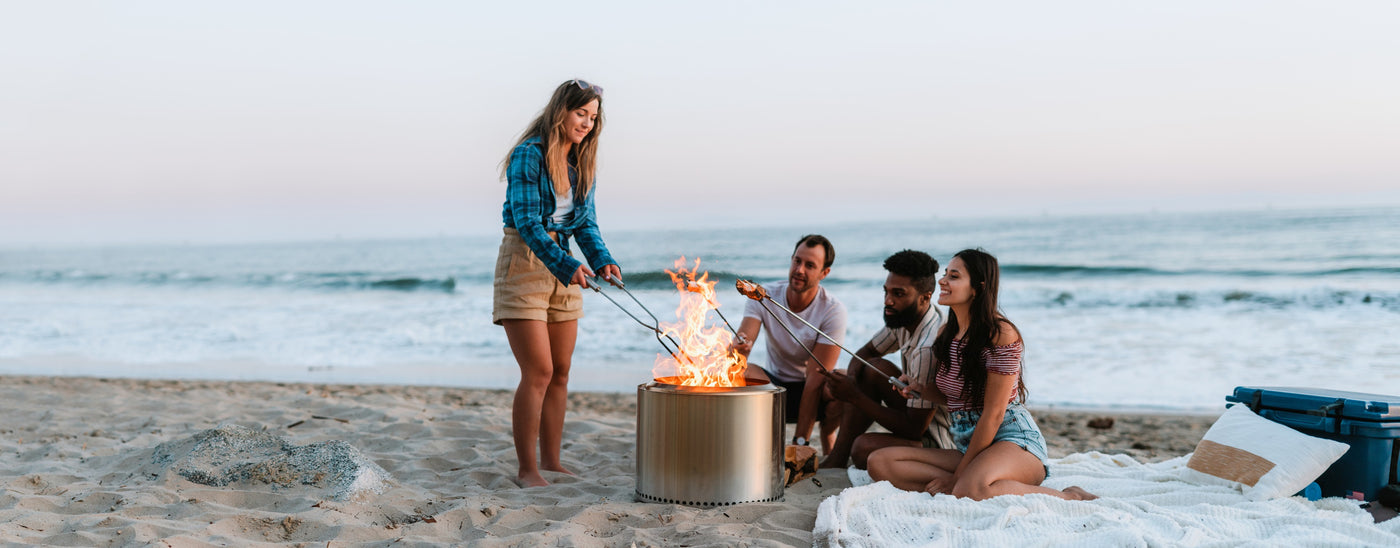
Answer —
157 121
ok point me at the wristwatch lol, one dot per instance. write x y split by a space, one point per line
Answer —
799 440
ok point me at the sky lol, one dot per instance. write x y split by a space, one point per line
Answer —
169 121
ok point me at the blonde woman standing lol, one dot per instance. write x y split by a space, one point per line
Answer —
549 200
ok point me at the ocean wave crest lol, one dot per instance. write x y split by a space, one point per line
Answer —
330 281
1056 269
1051 270
1189 299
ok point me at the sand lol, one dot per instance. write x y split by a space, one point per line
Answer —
97 462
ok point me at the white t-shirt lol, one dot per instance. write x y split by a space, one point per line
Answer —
785 356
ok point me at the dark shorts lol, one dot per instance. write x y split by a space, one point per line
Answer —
793 398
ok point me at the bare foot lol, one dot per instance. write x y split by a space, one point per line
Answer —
830 462
533 479
1079 493
558 468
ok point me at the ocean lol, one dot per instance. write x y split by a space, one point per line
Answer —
1159 311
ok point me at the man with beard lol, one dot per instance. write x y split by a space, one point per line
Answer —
911 323
789 364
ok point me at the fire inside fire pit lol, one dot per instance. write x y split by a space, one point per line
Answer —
706 435
705 357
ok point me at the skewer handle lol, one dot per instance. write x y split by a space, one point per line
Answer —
655 324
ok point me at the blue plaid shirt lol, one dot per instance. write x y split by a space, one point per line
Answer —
529 209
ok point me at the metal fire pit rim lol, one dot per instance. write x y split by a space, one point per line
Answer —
657 386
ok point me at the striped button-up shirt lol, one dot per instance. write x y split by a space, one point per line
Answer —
915 350
529 209
916 357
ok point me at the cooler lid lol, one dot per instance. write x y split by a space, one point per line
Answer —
1355 405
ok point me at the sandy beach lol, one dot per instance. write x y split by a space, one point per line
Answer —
88 462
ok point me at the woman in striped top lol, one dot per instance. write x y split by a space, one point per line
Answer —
1000 450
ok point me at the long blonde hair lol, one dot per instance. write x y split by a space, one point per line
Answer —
549 127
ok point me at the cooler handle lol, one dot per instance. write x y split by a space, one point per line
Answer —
1312 419
1326 411
1306 420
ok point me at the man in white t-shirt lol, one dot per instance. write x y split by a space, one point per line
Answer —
912 321
789 364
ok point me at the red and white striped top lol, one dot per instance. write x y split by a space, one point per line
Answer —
1002 360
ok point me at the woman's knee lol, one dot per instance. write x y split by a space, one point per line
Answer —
536 378
976 488
968 488
560 377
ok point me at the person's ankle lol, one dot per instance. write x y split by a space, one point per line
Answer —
556 468
531 479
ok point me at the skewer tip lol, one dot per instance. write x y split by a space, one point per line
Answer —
750 289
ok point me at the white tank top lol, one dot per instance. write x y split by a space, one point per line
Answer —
563 208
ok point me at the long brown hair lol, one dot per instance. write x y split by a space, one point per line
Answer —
549 127
983 327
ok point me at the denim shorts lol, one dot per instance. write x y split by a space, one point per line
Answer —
1017 427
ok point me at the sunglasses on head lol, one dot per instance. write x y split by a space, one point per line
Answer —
583 85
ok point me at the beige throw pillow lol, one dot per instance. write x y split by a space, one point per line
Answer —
1262 458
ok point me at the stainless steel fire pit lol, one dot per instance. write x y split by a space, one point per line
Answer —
708 447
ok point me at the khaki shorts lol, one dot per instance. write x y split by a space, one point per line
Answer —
526 290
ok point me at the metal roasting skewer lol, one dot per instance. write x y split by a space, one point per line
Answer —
715 306
655 325
794 335
760 295
726 320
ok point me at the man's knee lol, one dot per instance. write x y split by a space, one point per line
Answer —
832 410
878 374
868 383
878 464
861 450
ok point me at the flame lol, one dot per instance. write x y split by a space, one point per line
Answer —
705 355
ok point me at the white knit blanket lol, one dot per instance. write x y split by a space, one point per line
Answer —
1140 505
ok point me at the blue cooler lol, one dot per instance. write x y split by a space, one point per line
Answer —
1369 423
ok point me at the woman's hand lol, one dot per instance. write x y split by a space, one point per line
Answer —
582 275
612 274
